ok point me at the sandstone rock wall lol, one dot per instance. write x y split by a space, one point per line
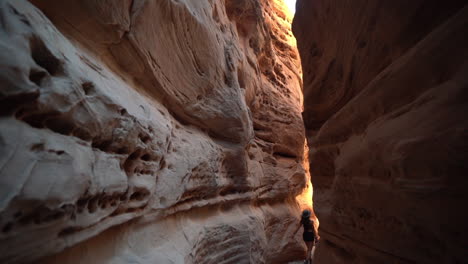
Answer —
150 132
385 98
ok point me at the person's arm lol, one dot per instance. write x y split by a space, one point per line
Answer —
317 237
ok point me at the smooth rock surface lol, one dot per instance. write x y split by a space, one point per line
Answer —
385 99
150 132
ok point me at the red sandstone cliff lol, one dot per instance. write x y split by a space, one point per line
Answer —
385 99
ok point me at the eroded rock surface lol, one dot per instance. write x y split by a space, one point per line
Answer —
149 132
385 98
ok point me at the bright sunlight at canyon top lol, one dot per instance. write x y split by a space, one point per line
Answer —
291 5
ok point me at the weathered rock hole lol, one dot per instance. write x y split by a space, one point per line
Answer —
68 231
144 138
36 120
12 104
26 219
102 203
48 216
59 125
43 57
102 145
123 150
93 205
123 197
146 157
81 204
284 155
7 227
36 76
50 120
20 113
139 195
134 155
38 147
82 133
133 210
88 88
130 163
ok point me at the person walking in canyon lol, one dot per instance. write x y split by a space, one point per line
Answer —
310 234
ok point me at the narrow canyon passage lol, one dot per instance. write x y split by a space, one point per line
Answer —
182 131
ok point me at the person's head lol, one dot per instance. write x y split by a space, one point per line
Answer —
305 214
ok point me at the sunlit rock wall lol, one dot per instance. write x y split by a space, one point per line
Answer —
150 132
386 98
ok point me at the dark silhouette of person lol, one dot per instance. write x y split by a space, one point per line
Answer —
310 234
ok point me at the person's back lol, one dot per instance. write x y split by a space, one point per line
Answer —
308 225
309 235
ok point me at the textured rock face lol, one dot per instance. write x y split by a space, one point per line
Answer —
149 132
385 99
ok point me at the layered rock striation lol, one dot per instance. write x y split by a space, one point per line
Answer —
150 132
385 99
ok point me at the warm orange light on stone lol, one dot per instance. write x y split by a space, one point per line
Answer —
305 198
291 4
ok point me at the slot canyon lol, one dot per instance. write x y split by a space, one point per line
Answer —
192 131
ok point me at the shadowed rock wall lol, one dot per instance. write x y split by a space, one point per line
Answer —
385 99
150 132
